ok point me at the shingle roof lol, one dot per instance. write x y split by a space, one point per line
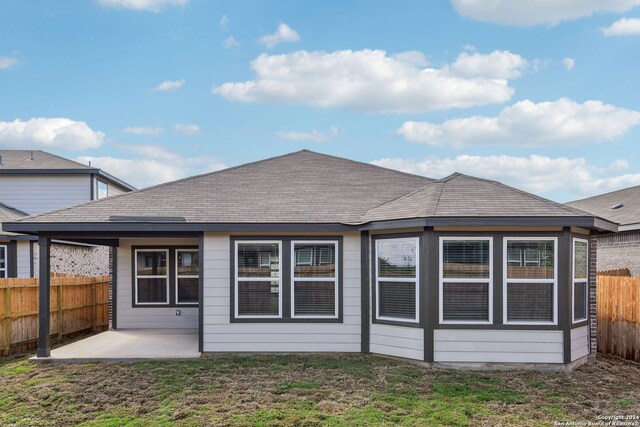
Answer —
311 188
461 195
9 214
301 187
628 213
21 160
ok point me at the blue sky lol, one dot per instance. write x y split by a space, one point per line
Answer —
538 95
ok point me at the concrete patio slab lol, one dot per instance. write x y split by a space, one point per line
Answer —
128 346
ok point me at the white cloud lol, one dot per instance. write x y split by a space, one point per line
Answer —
536 12
525 123
137 130
365 80
413 57
7 62
52 133
313 136
496 65
169 85
623 27
284 33
230 42
224 20
142 5
569 63
143 172
538 174
187 129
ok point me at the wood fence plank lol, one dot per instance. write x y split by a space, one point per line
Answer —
77 304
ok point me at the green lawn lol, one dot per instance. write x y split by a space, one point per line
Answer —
309 390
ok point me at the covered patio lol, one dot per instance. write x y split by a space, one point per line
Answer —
128 346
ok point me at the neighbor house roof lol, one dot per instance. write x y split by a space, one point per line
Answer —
9 214
41 162
622 206
305 188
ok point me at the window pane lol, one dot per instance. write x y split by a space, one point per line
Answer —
315 260
530 302
152 263
258 260
580 260
530 259
102 190
152 290
580 301
3 257
315 298
258 298
465 259
188 263
396 258
397 299
188 290
465 301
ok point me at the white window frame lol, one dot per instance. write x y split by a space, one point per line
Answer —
258 279
465 280
6 261
576 280
416 280
506 281
186 276
166 276
97 189
313 279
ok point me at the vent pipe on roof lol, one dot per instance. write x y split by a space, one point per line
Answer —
0 160
31 155
89 162
618 206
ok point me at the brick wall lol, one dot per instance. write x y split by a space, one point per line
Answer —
593 278
75 260
620 250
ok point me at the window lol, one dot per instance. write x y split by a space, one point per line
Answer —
314 284
187 276
466 288
397 293
257 279
102 189
3 261
580 279
530 292
152 278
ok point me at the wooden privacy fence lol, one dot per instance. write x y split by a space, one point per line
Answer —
77 304
619 316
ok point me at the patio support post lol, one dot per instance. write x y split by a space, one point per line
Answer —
44 346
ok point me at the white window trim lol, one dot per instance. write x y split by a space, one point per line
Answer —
416 280
465 280
258 279
575 280
506 281
185 276
314 279
6 260
166 276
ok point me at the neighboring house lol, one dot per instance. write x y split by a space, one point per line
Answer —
313 253
622 249
32 182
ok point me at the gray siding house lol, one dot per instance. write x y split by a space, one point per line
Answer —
313 253
33 182
622 249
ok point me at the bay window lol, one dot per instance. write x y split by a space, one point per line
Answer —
580 290
466 286
396 279
530 284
